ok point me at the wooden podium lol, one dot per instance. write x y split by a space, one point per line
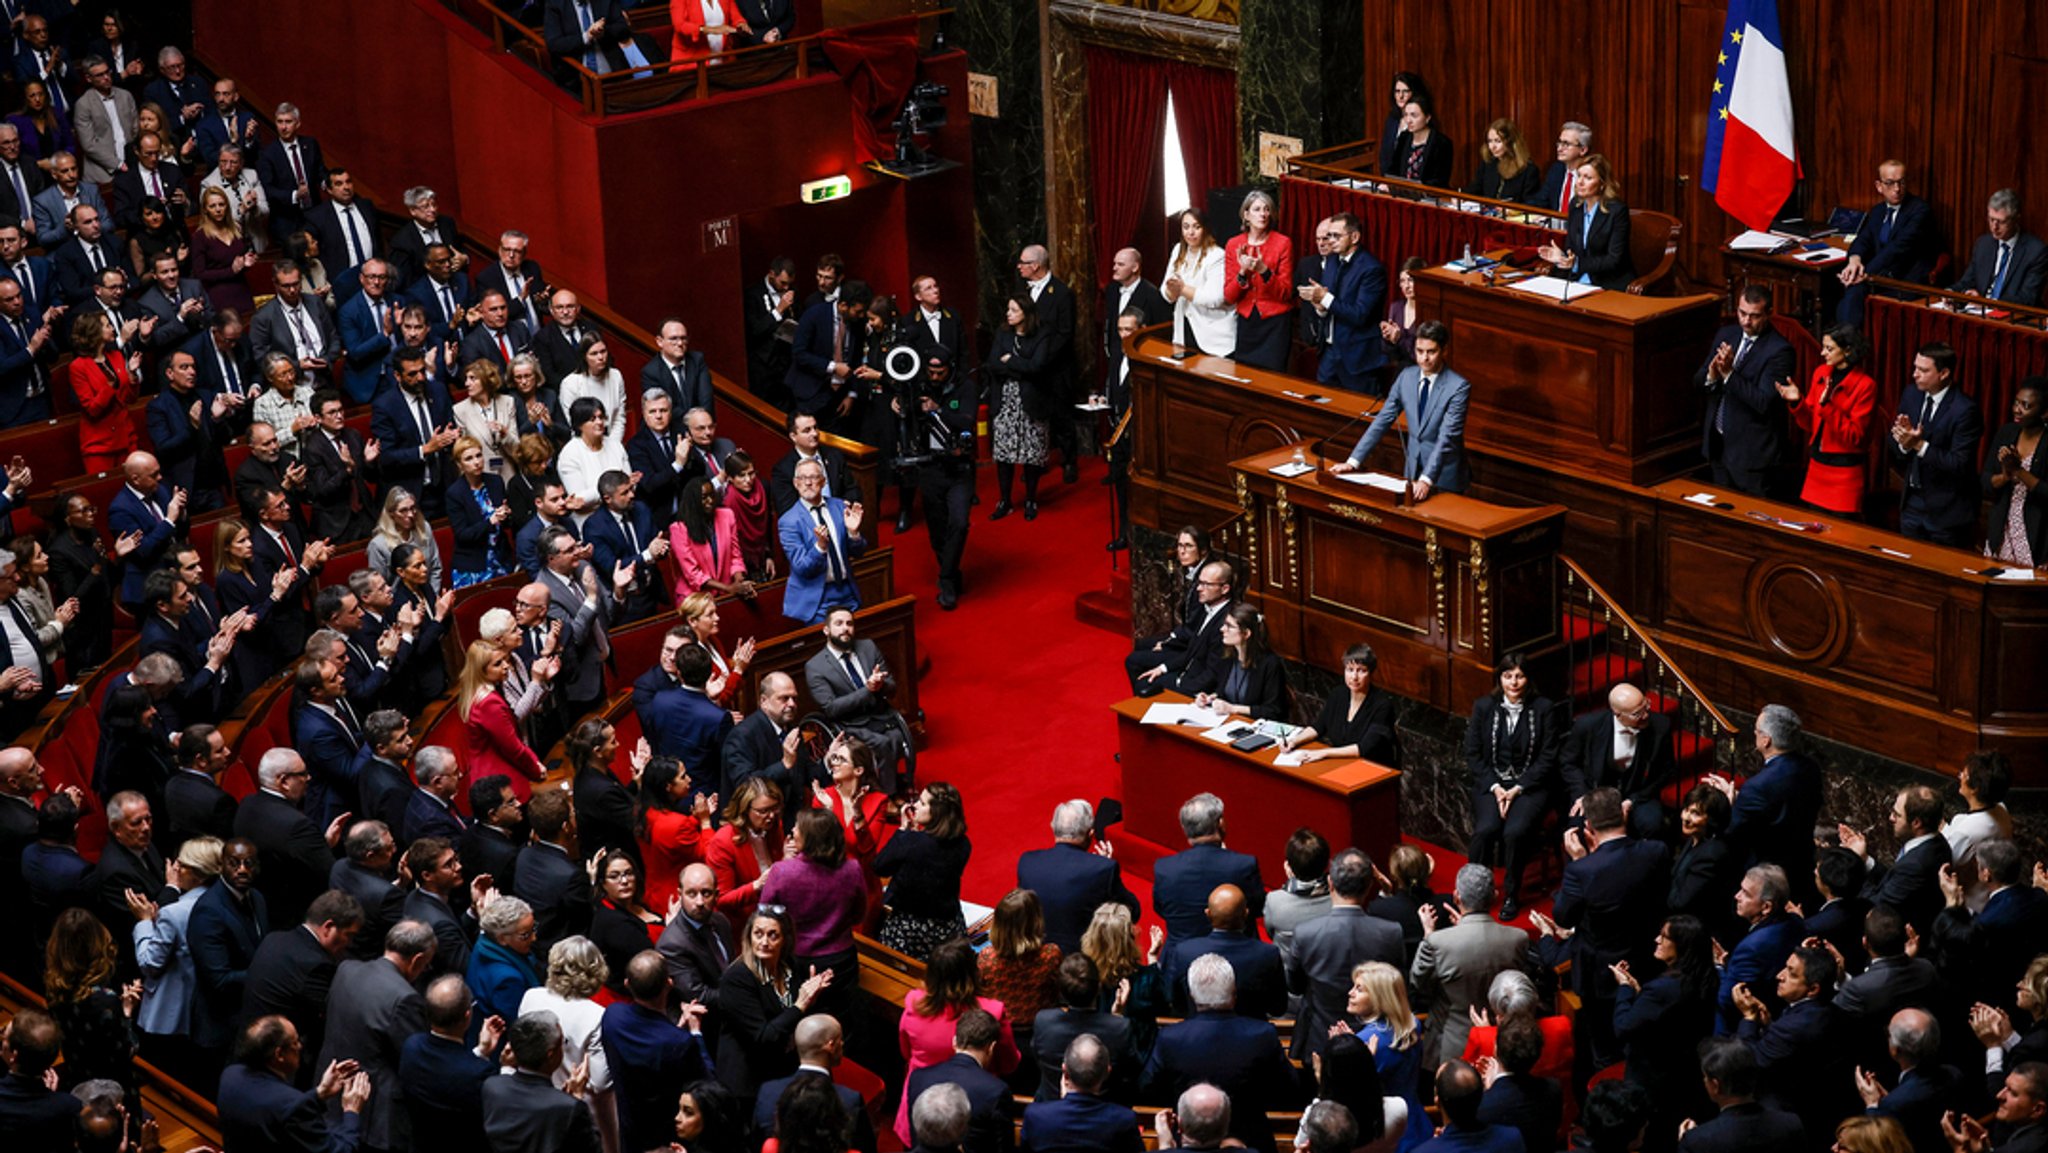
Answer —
1440 589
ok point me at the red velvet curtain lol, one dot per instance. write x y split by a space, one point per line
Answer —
1394 230
1205 109
878 62
1126 140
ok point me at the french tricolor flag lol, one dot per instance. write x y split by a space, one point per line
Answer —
1752 162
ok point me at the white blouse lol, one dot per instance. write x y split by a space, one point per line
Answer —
1208 318
611 391
579 466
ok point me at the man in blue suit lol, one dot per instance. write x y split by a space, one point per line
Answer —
820 535
1082 1118
441 1076
1934 447
623 531
1771 819
991 1111
1741 1125
166 627
291 173
26 341
1434 398
415 427
1241 1056
182 426
1896 240
820 1047
90 250
1181 883
1352 294
2007 262
443 290
653 1056
35 272
1261 980
368 322
1996 944
1613 896
1070 880
227 925
228 123
685 724
1803 1058
1742 434
550 510
328 736
261 1106
825 354
147 506
1926 1088
1772 935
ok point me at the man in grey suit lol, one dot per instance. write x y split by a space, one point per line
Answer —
1456 964
291 324
580 600
372 1008
1329 947
52 206
99 108
2006 263
852 685
1434 398
525 1113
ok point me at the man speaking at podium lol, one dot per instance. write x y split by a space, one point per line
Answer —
1434 398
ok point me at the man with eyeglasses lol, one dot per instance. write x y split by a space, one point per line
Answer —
291 324
369 331
152 176
1895 240
1574 143
558 342
517 277
490 845
105 119
20 180
1626 747
295 854
679 371
228 123
1192 644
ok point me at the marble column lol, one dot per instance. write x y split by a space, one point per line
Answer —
1301 69
1003 39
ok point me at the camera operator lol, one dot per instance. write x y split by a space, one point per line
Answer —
876 418
940 450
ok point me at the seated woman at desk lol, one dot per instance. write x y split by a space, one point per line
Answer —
1595 249
1505 171
1249 679
1421 153
2013 471
1397 331
1836 413
1357 722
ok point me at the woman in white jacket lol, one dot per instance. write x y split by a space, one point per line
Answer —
1203 320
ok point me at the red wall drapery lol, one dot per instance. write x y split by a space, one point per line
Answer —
879 64
1126 138
1205 110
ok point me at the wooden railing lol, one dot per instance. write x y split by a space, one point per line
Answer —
1606 645
1355 163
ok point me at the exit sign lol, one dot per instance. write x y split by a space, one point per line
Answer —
830 188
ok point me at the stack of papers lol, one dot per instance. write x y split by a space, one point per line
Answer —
1292 468
1754 241
1379 480
1170 714
1556 288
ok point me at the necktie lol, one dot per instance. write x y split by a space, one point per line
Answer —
589 54
1926 408
27 282
448 303
852 671
536 639
307 345
349 724
156 185
35 370
835 568
1721 410
632 538
228 373
1564 196
285 544
357 651
1422 401
675 372
1884 233
21 197
838 339
504 347
92 255
1998 278
717 942
298 169
419 413
668 446
358 245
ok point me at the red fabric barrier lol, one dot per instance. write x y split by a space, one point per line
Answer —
879 64
1394 230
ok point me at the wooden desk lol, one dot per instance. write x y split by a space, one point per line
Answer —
1351 802
1440 589
1805 291
1588 386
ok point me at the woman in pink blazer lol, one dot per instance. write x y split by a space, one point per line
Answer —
924 1034
706 546
492 735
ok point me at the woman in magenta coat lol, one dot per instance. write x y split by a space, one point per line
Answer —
924 1034
706 544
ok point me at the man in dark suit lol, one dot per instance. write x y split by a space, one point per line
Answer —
820 1047
329 736
1239 1055
1996 944
279 545
223 367
430 808
1742 1125
296 857
20 180
1353 302
38 1116
1742 434
53 873
1055 302
1327 948
622 532
1260 979
292 175
770 313
706 450
130 862
524 1112
262 1106
1892 981
1912 884
549 875
1772 818
497 336
1925 1088
440 1075
1081 1116
698 943
228 924
1626 747
339 464
929 325
194 803
289 325
1896 240
1080 1012
558 339
440 289
151 177
1515 1096
1574 144
593 33
490 845
437 900
90 250
382 785
851 683
1181 883
365 875
293 969
178 303
826 356
187 428
374 1010
2007 263
1933 446
684 723
1071 881
803 431
1838 875
414 428
520 279
227 122
29 339
1127 289
1770 934
653 1058
991 1116
659 453
346 227
411 241
1193 644
1802 1055
765 743
168 627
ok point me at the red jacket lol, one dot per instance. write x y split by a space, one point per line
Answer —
1270 292
1841 413
496 748
106 429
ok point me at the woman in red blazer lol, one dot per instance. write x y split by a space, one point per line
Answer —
1835 412
100 377
1258 281
746 846
705 540
702 27
492 735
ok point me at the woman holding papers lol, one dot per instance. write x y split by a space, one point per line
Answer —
1358 722
1595 249
1249 679
1835 413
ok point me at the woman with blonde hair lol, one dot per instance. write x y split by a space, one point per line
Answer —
1595 249
1505 171
1203 320
1871 1135
576 972
700 612
1378 1013
490 731
747 845
399 523
487 415
221 257
1259 285
1111 941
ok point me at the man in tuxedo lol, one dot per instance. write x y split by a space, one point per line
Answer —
1182 882
428 227
496 337
1217 1048
148 506
698 943
1261 979
1434 397
1327 948
194 803
105 120
820 535
803 429
622 532
549 875
930 325
89 251
20 180
291 324
1627 747
295 856
991 1111
1772 818
1612 897
518 278
820 1047
291 173
1081 1116
178 303
226 123
770 313
1912 885
189 428
558 341
293 970
593 33
1351 303
1895 240
1062 373
2007 263
28 345
1933 446
1192 644
442 290
262 1106
678 371
1456 963
414 426
339 463
1574 144
152 175
659 456
67 189
346 227
1742 434
1072 879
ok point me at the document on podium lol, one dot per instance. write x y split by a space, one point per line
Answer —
1162 713
1556 288
1379 480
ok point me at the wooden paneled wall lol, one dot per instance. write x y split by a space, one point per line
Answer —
1945 87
